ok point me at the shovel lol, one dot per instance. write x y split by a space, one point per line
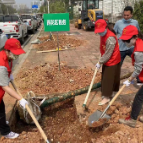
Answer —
89 90
98 115
32 115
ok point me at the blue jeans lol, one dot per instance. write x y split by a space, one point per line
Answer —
126 53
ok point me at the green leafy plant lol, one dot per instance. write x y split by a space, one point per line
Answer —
138 14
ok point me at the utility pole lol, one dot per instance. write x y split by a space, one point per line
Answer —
112 11
48 6
103 5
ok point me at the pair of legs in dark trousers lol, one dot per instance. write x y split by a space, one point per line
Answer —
126 53
137 104
4 128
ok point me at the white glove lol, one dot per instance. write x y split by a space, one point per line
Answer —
11 77
127 83
98 66
23 103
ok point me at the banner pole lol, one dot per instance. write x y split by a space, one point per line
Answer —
58 51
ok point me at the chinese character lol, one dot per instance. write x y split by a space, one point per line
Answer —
60 22
64 22
56 22
52 22
48 22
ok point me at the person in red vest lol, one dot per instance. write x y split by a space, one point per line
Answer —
131 37
12 47
110 59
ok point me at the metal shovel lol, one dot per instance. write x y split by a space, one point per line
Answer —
102 115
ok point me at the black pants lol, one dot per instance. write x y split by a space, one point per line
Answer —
4 128
137 104
126 53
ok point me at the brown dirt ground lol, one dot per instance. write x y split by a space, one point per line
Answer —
61 125
60 121
64 42
46 79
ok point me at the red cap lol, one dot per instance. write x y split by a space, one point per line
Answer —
129 32
14 46
100 26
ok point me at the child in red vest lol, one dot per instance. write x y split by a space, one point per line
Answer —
110 59
131 37
12 47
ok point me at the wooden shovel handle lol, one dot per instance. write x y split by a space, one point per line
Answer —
91 84
31 114
118 93
37 124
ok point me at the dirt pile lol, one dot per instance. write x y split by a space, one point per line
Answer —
61 125
100 122
116 132
64 42
45 79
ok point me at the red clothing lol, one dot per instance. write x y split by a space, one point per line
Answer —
115 57
138 48
4 62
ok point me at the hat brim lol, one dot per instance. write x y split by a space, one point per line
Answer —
126 37
17 51
99 30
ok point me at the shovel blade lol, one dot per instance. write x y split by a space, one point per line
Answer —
96 116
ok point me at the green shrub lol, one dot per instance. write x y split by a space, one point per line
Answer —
138 14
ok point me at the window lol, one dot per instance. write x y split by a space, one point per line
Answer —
11 18
15 18
7 18
25 16
92 4
1 18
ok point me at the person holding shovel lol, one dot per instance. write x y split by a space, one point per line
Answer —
7 55
131 37
110 59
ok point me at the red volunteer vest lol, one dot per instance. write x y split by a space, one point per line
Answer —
116 57
138 48
4 62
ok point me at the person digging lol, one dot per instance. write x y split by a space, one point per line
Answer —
110 59
7 55
131 37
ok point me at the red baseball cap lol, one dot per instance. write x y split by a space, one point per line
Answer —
100 26
14 46
129 32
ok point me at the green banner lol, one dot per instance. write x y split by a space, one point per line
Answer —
56 22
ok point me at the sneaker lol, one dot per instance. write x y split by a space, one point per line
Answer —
11 135
141 119
128 121
7 122
139 83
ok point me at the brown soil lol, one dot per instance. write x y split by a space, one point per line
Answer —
100 122
64 42
61 124
45 79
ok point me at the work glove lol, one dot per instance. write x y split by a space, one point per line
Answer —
23 103
11 77
127 82
98 66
